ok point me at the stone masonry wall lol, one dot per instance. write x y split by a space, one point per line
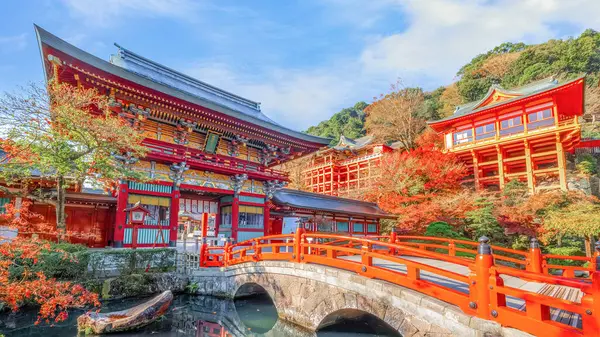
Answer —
112 262
311 295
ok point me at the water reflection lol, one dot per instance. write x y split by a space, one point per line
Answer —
206 316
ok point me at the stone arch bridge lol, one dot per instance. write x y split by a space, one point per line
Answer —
310 295
419 286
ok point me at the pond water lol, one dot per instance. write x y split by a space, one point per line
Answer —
204 316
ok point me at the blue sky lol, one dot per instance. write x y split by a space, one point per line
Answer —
303 60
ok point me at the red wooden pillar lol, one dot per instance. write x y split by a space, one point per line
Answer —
535 257
120 216
204 224
235 217
267 215
174 217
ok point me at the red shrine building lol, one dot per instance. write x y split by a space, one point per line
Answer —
522 133
209 164
347 169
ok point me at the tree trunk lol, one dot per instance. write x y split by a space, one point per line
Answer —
61 225
588 245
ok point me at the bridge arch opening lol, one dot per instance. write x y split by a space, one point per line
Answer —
353 322
255 308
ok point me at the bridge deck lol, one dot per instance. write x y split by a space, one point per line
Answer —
563 292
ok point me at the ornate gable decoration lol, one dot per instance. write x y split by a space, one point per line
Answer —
495 95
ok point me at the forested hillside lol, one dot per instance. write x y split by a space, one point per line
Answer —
350 122
509 65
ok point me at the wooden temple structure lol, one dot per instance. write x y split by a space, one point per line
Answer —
346 169
210 158
522 133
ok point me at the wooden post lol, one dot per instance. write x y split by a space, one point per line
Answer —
451 248
393 238
174 217
595 265
591 317
267 230
475 170
529 168
479 292
500 167
534 264
235 217
121 215
298 249
560 157
202 253
366 259
257 249
226 252
497 134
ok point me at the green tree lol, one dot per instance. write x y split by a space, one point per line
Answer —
66 135
580 218
442 229
474 81
482 221
586 163
348 122
517 64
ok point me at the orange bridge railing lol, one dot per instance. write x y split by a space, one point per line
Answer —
479 291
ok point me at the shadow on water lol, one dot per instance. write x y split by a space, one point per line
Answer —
354 323
257 313
207 317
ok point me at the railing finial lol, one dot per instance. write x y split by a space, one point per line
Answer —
534 243
484 247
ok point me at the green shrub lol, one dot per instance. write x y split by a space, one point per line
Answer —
566 251
441 229
586 163
71 264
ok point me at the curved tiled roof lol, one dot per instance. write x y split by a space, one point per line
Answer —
326 203
137 69
520 93
353 144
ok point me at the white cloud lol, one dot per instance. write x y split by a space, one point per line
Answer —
435 39
294 98
107 12
13 43
445 34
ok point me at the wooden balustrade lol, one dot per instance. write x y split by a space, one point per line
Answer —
176 152
481 292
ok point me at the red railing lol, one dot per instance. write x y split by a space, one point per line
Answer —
532 260
177 152
480 291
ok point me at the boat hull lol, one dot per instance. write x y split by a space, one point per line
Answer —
129 319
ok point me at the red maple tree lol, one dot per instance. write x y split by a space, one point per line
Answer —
22 253
419 186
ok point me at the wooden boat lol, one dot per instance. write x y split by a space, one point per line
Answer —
130 319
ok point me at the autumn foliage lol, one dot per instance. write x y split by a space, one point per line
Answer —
413 183
63 135
26 286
